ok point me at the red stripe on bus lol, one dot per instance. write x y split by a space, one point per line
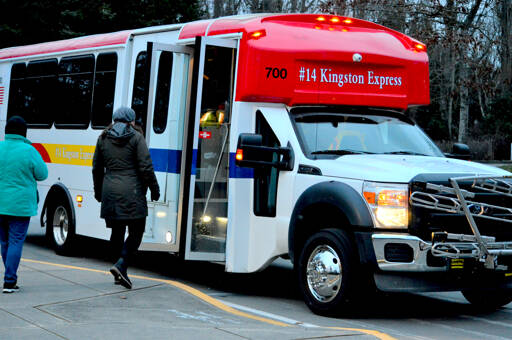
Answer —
42 151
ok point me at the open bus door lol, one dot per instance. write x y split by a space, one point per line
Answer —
168 101
207 150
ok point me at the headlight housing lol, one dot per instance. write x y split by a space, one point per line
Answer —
389 203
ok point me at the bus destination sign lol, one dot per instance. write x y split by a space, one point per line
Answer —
354 79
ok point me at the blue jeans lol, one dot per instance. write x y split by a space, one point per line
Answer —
13 230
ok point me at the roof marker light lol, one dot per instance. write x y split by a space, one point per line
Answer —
420 47
257 34
335 19
347 21
320 18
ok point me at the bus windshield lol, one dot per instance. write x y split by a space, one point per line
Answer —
338 134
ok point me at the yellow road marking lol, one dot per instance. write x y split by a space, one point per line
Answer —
377 334
208 299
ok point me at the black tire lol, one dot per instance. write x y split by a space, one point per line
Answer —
60 226
488 299
333 248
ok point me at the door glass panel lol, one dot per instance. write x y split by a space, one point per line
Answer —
163 87
210 206
139 88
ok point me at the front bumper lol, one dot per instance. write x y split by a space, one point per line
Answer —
425 272
428 257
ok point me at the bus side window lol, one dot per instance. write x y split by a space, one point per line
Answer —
265 178
39 93
139 86
104 90
16 91
75 91
163 86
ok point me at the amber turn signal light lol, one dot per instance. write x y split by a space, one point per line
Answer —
239 155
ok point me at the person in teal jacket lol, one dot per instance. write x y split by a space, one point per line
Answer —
20 167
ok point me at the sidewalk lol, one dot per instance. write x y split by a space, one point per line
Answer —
75 298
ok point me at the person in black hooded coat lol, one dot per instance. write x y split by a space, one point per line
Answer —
122 171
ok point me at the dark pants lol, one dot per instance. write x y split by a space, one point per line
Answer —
121 248
13 230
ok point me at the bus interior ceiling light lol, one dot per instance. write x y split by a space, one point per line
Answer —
206 219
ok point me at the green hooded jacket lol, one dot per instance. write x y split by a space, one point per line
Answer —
20 167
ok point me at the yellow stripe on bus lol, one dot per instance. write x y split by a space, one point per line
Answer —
70 154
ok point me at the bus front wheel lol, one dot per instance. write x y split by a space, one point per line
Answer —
326 271
60 228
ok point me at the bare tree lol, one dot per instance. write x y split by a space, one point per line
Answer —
504 14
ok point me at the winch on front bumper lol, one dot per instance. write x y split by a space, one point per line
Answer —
443 249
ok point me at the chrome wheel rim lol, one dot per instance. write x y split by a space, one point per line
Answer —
60 225
323 273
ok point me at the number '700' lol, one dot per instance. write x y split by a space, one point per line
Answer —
275 72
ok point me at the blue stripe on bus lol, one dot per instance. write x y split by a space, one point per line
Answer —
238 172
169 161
194 161
165 160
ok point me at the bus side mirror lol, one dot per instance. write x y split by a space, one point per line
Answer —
460 151
250 153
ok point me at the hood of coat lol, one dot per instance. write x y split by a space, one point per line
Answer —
120 133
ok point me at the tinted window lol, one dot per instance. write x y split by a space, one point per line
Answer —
163 86
104 89
139 88
39 92
16 97
265 178
75 83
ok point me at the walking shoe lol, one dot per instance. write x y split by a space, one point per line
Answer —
10 288
121 276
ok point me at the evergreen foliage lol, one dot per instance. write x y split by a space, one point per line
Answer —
28 22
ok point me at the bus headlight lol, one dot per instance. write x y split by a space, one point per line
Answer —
388 203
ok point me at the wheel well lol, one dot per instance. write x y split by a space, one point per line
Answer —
314 218
57 192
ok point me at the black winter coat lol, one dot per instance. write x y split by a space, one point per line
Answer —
122 171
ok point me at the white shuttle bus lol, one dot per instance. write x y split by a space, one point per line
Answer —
271 136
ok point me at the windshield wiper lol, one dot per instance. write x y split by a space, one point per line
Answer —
339 152
402 152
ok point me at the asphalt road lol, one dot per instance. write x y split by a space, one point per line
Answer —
74 298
